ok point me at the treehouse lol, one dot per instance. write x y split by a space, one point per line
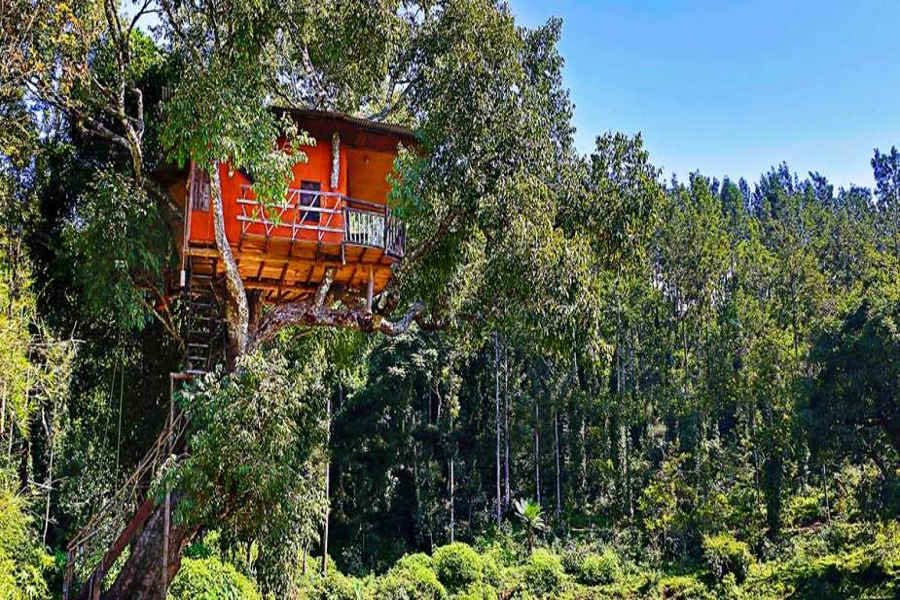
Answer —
335 215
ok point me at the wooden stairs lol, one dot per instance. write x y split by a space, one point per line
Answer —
96 547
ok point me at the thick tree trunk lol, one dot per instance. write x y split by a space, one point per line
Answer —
141 575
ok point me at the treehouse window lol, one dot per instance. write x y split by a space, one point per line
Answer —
310 199
199 190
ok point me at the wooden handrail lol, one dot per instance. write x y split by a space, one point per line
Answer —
366 223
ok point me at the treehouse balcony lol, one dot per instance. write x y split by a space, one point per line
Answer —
335 215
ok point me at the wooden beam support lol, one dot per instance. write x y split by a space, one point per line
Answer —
293 261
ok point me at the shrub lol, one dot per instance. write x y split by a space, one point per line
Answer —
806 509
210 578
457 566
600 568
573 558
724 554
872 570
682 587
477 591
543 573
409 582
419 559
335 586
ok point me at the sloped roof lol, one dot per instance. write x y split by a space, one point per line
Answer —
348 126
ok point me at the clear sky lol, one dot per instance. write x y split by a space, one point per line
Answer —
731 87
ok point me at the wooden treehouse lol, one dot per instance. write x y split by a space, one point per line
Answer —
335 217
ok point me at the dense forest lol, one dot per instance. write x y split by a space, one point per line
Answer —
596 383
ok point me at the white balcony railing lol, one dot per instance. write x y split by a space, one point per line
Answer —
365 223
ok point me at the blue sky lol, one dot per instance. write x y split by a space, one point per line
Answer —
731 87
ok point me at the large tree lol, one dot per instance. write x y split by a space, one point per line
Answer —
480 196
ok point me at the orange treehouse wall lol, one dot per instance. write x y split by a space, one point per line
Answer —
316 168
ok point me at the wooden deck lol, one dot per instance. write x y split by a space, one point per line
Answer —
286 271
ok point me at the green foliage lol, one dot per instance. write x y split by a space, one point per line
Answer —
419 559
682 587
412 581
457 566
256 434
532 516
121 246
712 356
334 586
210 579
543 574
724 554
806 508
600 568
23 561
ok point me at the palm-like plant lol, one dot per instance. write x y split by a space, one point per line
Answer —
532 515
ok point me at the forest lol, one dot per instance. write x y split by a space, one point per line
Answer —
583 381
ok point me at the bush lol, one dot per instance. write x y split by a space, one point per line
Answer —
419 559
492 574
872 570
335 586
806 509
477 591
543 573
598 569
682 587
457 566
724 554
210 578
573 558
409 582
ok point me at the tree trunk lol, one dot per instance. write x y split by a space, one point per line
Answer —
537 451
556 448
237 309
140 575
327 480
48 482
452 511
506 425
497 420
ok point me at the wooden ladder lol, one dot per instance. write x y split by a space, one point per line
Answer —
204 337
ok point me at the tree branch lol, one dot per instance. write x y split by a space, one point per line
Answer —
312 315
